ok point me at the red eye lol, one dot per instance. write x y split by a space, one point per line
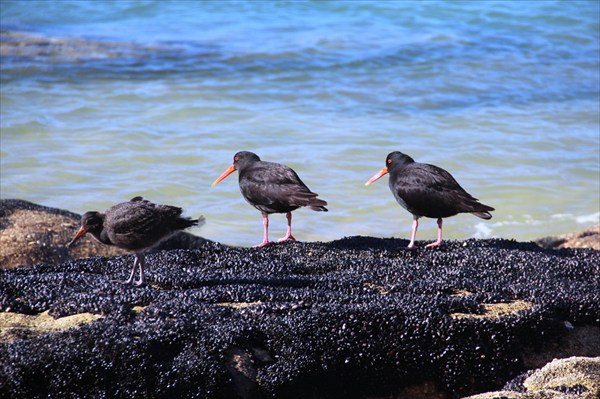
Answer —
389 161
236 159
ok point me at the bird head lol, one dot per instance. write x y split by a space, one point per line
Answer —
90 222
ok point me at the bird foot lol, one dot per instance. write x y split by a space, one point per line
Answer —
287 238
434 244
122 282
137 283
263 244
411 244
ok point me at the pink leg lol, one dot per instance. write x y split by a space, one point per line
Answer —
141 262
288 235
415 225
138 262
265 231
439 240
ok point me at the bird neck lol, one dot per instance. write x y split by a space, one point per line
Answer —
101 235
104 238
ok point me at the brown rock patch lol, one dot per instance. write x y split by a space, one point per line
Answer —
15 326
575 377
29 237
493 310
587 238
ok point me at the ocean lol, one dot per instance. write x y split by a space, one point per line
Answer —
102 101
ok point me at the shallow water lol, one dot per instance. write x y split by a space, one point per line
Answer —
110 100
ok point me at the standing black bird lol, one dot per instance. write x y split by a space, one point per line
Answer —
427 190
271 188
136 226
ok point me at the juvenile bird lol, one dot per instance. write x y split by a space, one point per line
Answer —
136 226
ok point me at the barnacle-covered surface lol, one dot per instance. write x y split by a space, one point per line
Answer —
356 317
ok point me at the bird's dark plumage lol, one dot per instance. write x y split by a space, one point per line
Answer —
135 226
271 188
428 190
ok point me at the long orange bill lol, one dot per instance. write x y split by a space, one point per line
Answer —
229 171
80 233
377 175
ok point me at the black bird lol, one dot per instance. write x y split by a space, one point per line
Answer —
136 226
427 190
271 188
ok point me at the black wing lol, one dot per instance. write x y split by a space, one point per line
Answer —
140 223
272 187
431 191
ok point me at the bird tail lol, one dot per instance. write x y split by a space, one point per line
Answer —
482 211
184 223
483 215
317 204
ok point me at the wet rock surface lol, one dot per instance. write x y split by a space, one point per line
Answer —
27 45
32 234
356 317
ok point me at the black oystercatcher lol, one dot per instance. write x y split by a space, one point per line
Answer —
271 188
136 225
428 190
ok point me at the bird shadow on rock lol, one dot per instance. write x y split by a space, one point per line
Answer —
368 243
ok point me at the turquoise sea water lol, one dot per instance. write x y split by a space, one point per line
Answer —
105 100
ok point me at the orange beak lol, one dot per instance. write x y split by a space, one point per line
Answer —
80 233
377 175
229 171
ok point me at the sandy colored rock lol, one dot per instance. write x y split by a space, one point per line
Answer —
587 238
500 395
31 234
14 326
569 378
575 377
493 310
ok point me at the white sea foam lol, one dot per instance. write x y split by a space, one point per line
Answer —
594 218
482 230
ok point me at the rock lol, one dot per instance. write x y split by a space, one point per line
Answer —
31 234
575 377
570 378
62 49
577 341
354 318
501 395
587 238
15 326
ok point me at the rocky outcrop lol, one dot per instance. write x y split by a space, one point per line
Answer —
64 49
576 377
571 378
359 317
353 318
587 238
